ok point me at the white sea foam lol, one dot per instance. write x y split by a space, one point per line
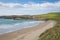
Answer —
17 25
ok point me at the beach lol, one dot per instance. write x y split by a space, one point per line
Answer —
31 33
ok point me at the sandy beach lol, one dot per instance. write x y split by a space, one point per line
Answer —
28 33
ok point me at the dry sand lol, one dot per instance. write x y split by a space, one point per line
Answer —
28 33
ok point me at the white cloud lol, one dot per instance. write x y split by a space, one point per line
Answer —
10 5
30 8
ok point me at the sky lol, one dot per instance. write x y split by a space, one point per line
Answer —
28 7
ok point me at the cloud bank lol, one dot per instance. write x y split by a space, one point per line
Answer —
28 9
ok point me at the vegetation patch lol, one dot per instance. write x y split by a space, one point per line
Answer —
53 33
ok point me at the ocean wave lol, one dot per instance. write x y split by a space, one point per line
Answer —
17 25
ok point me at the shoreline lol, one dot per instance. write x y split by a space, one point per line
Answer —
23 28
13 25
12 35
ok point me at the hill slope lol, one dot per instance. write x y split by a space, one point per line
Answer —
53 33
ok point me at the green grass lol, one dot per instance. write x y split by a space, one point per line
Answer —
49 16
53 33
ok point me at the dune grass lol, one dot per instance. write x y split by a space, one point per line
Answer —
53 33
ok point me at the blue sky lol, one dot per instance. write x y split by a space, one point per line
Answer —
26 1
28 7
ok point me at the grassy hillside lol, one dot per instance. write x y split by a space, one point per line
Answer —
53 16
53 33
49 16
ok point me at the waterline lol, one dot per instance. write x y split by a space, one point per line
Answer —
9 25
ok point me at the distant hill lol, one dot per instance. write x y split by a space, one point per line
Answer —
16 17
49 16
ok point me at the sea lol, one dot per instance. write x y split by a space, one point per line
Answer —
10 25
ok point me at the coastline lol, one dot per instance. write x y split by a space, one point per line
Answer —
13 25
12 35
